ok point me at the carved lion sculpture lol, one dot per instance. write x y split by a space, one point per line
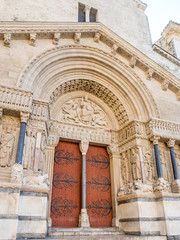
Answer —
37 181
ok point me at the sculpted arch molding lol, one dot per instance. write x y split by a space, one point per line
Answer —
66 63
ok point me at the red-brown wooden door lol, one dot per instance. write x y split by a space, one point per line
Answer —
66 189
99 204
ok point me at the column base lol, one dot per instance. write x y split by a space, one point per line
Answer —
175 187
84 219
115 222
161 186
17 173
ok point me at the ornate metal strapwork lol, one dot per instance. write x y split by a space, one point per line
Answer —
100 183
62 180
99 161
63 157
61 206
100 207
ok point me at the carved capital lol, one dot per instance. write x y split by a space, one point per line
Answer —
56 38
113 150
114 49
132 62
149 74
7 39
165 85
97 37
32 40
155 139
178 95
24 117
171 143
52 140
77 37
84 145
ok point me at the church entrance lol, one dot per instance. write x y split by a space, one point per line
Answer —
66 187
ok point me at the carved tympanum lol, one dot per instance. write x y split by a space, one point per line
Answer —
83 111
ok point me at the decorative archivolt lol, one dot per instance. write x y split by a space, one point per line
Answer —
96 89
50 69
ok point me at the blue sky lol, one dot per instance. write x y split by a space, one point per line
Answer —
159 13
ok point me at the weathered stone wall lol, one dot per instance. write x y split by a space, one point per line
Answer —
122 17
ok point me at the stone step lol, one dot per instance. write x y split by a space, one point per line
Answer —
110 237
85 232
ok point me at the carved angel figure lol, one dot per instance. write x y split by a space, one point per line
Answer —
6 147
135 164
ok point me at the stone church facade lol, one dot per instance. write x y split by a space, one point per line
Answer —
90 121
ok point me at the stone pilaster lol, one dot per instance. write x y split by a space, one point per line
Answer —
116 180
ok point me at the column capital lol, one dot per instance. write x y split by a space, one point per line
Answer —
113 150
84 145
171 142
24 117
52 140
155 139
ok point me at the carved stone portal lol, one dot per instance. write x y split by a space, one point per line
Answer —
83 111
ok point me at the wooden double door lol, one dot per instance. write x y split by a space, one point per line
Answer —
66 187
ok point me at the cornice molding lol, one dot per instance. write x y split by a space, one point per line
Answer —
163 128
25 28
140 4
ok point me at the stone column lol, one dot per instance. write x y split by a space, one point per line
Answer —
157 157
83 218
87 13
170 144
116 180
17 168
24 118
176 183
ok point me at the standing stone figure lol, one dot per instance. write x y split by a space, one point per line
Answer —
125 169
164 165
29 150
6 147
148 161
135 164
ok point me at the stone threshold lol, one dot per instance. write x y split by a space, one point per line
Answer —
83 231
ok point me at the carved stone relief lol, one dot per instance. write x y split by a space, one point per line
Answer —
96 89
177 155
165 162
29 149
8 140
149 166
135 164
83 111
125 168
